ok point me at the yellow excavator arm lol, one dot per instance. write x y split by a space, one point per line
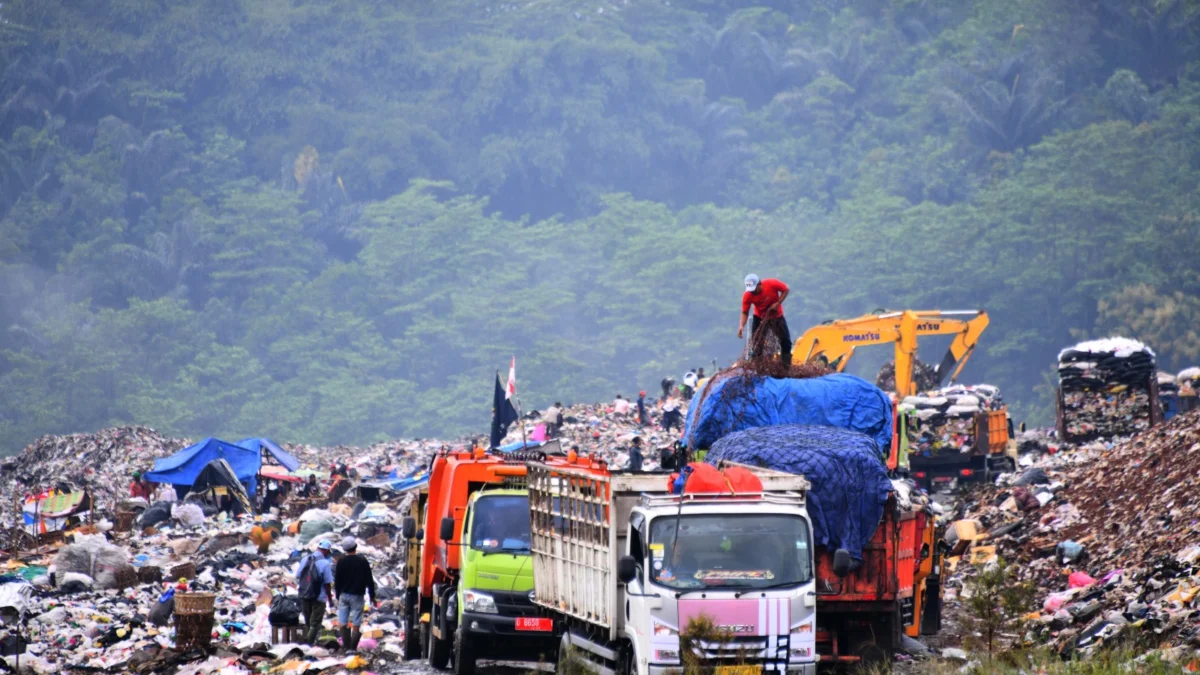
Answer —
834 342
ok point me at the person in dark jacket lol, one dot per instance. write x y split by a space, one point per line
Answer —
352 580
643 418
635 454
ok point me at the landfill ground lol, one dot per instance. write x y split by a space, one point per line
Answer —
1114 554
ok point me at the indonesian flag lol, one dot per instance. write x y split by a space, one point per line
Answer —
510 390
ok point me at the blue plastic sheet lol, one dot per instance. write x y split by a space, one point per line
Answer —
185 466
849 482
839 400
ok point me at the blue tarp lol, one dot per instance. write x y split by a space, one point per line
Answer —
839 400
185 466
285 459
518 445
849 482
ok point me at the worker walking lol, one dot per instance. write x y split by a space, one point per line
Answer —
352 581
767 296
316 589
643 418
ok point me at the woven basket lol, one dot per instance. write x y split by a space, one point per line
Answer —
126 577
124 521
192 631
194 603
185 570
150 574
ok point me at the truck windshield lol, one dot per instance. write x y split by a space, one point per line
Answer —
501 523
730 551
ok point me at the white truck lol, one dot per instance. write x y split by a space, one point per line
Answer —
640 580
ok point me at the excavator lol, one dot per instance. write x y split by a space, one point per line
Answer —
834 343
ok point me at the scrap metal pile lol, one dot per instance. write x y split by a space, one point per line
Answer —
943 420
1109 535
1105 388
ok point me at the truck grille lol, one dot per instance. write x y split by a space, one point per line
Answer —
514 603
751 650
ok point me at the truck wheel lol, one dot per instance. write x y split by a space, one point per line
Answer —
464 653
439 651
412 631
625 663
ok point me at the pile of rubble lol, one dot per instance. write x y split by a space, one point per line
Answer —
1105 388
1107 532
92 599
943 420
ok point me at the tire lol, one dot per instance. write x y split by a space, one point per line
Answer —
626 666
412 632
566 661
464 653
439 651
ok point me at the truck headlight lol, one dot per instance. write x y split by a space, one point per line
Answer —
474 601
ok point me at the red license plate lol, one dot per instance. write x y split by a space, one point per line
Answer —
943 479
534 623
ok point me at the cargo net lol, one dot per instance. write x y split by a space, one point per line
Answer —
924 375
736 392
849 480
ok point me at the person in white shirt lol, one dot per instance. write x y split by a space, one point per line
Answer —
689 384
621 405
671 416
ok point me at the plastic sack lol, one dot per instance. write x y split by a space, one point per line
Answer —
155 515
314 528
1080 580
1054 602
189 514
285 610
95 557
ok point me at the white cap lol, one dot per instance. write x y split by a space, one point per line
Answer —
752 281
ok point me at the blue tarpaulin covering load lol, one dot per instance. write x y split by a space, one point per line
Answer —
185 466
736 403
849 482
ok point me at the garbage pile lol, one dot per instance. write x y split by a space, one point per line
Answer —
1188 380
1108 533
1105 388
925 376
100 462
601 430
943 420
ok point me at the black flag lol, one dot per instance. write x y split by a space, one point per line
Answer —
503 414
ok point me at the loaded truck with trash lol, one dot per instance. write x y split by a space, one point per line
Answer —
1106 388
472 598
878 563
657 573
982 439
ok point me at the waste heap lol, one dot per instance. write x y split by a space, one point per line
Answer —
1105 388
924 376
1188 380
1109 535
100 462
943 420
598 429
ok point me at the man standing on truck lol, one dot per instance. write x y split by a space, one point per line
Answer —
767 296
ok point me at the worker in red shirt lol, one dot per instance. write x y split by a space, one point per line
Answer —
140 488
767 296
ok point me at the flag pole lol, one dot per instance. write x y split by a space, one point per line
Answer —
521 422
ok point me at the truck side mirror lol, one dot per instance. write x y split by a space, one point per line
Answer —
841 562
447 530
408 527
626 569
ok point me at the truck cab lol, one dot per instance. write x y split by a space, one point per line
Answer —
734 578
640 580
473 561
496 617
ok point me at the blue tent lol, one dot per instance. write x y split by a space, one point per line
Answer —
185 466
282 456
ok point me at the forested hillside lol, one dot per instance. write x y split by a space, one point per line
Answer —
331 221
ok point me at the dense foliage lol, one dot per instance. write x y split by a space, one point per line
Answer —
332 221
